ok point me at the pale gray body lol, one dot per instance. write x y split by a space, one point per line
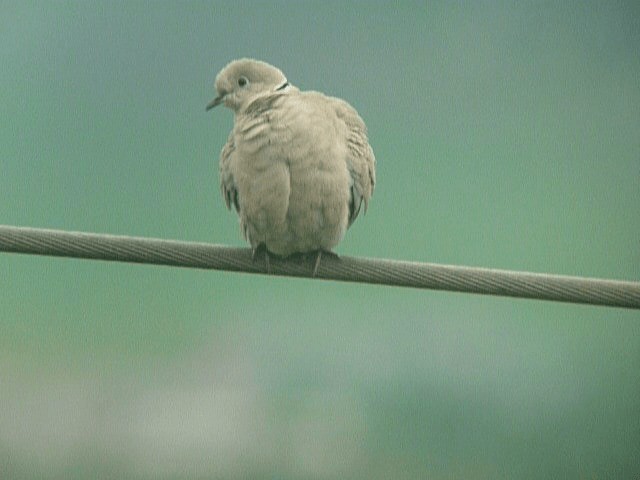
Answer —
297 165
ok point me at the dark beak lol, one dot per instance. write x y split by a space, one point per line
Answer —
215 102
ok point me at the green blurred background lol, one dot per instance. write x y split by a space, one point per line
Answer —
507 135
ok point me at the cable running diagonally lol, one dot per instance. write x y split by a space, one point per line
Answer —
484 281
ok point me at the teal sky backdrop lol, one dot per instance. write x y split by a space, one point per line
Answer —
507 135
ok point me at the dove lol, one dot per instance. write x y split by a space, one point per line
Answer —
297 166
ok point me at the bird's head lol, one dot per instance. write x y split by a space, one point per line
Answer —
242 80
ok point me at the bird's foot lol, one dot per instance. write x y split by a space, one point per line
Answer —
319 255
317 264
256 251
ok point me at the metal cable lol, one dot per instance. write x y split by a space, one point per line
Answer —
37 241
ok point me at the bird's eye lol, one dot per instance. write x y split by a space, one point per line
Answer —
243 81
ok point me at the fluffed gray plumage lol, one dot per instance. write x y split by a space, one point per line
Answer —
297 166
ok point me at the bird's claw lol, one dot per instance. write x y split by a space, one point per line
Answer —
254 255
317 264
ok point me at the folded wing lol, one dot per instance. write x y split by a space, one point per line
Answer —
360 161
227 182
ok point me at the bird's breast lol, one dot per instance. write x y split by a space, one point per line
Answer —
291 170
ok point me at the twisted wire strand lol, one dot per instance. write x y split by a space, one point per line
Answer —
541 286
